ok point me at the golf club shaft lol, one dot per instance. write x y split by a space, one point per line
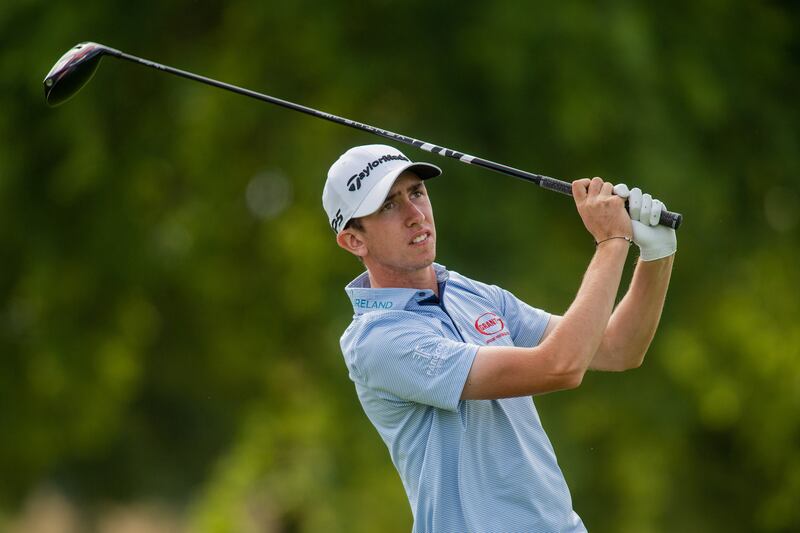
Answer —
668 218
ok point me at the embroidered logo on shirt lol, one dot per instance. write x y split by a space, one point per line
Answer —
489 324
431 355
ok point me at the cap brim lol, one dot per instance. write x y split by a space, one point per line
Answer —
373 200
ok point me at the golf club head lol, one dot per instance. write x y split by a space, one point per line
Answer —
73 71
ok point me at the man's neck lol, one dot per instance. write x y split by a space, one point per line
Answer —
383 278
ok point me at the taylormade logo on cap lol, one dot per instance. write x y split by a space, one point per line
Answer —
360 179
354 183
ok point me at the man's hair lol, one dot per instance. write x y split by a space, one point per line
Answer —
355 224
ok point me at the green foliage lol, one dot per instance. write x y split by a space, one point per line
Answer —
171 295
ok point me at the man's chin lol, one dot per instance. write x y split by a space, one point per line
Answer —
420 264
427 259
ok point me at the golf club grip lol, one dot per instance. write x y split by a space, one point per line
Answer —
668 218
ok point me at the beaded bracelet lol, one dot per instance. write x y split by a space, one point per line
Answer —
596 243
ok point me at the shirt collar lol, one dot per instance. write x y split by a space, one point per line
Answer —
365 299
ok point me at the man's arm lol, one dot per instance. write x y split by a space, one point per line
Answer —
633 323
561 360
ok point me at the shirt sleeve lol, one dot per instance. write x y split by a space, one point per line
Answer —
525 323
413 361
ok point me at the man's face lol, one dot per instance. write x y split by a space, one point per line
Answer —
401 235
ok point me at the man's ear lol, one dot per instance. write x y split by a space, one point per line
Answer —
352 241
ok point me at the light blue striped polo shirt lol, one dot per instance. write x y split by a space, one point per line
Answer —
468 466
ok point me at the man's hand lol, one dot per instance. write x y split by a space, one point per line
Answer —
654 241
602 212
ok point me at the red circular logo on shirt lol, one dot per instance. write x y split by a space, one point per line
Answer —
489 324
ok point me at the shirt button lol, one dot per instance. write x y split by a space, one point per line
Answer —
420 294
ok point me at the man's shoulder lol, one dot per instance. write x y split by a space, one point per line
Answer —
382 324
473 286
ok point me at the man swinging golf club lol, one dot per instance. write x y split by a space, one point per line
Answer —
444 366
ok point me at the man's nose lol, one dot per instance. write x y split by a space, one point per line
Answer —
414 214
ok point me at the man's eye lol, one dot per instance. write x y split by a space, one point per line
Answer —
387 206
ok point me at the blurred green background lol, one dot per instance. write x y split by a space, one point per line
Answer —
171 294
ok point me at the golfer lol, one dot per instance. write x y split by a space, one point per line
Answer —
445 366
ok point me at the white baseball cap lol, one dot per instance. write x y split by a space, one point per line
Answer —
360 179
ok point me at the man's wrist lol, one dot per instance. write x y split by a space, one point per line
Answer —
612 247
625 238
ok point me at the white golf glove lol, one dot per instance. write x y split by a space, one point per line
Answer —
654 241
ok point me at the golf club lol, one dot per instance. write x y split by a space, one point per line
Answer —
78 65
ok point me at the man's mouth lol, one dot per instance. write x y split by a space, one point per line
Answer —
421 238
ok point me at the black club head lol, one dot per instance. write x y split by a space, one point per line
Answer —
72 72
